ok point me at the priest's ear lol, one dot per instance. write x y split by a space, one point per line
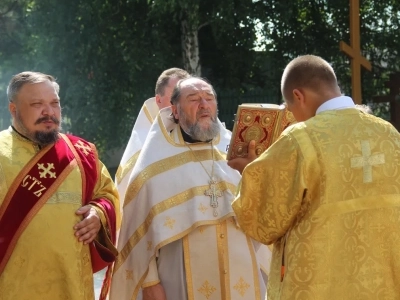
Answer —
12 108
298 96
158 100
175 111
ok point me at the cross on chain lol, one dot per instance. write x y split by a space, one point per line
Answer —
213 192
366 161
84 148
46 171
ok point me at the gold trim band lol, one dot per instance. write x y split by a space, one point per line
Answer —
158 209
165 165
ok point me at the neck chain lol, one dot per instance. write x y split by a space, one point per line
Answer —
213 192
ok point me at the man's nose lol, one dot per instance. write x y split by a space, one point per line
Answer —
48 110
203 102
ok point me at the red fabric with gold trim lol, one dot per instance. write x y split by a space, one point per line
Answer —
31 187
101 257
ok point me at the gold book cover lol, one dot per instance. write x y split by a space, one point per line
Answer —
260 122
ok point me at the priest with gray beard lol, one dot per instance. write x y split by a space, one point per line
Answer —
179 238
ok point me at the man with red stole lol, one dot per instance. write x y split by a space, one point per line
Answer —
58 203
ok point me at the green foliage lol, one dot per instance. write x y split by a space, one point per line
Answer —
107 54
316 27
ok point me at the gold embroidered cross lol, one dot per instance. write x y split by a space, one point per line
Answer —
128 274
169 223
84 148
366 161
202 208
46 171
213 192
241 286
207 289
149 245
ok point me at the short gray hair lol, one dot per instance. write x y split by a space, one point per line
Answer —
28 77
165 76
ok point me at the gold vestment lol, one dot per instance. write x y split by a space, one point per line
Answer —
48 262
327 195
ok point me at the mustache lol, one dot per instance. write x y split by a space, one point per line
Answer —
205 110
46 119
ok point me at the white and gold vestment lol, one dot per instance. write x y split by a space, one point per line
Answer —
166 208
140 129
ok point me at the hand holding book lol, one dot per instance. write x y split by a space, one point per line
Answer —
239 163
262 123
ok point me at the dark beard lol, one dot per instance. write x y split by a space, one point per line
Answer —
45 138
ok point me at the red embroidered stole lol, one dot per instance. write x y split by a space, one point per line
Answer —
40 179
30 190
101 256
86 156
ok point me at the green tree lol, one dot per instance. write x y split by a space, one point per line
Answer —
316 27
107 54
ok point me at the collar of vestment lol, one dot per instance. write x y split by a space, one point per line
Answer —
13 130
189 139
22 137
173 135
341 102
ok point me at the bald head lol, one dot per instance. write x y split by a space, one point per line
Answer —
309 72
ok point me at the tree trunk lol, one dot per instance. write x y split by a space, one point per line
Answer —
190 48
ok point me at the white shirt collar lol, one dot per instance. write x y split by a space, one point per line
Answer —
340 102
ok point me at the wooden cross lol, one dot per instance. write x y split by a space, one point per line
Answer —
393 98
354 52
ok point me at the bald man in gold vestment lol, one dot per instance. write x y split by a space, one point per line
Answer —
326 194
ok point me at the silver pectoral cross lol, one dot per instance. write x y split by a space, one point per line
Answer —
213 192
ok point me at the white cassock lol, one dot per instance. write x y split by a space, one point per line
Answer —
201 252
141 128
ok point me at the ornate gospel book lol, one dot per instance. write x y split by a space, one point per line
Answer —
260 122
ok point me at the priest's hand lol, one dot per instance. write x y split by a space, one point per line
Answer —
154 292
87 229
240 163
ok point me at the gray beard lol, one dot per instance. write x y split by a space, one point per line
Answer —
195 130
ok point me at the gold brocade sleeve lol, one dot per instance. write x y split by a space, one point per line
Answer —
104 235
271 191
105 188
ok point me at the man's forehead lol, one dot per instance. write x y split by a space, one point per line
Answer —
196 85
37 90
